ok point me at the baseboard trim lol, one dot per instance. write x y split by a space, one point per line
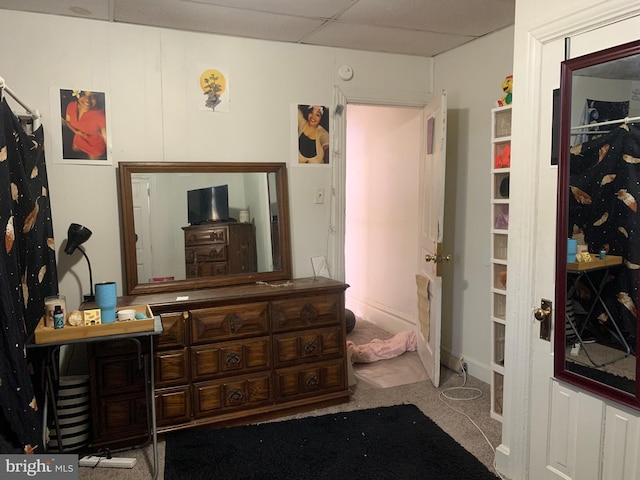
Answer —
389 319
449 360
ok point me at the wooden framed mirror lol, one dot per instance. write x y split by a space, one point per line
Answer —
172 242
598 230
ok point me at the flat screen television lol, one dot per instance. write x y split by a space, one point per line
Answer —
209 204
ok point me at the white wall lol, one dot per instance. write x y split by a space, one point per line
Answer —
148 74
472 76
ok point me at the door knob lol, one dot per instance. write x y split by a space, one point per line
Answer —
541 313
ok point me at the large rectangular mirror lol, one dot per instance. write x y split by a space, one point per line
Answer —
197 225
598 231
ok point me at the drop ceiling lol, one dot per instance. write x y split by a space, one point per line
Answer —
412 27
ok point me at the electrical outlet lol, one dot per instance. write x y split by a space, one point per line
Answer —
463 365
319 198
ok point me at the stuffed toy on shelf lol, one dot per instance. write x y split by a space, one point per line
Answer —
507 88
503 157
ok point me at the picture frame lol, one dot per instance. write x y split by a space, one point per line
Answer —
80 129
212 93
312 139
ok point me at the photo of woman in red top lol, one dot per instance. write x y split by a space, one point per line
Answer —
85 118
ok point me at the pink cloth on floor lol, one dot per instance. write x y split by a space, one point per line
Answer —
383 349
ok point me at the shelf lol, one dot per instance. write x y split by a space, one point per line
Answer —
501 122
498 333
500 276
499 306
500 185
498 368
499 246
500 164
496 395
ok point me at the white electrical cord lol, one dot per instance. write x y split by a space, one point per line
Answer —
443 394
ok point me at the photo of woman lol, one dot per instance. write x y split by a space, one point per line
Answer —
84 125
313 134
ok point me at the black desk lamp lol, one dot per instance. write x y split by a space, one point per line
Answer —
77 235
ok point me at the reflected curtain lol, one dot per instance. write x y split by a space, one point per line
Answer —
27 275
604 184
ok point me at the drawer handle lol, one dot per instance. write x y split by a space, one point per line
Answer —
310 347
312 381
308 313
235 395
217 236
235 322
216 254
233 359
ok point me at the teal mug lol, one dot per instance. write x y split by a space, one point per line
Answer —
107 299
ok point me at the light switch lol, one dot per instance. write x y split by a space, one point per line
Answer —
319 198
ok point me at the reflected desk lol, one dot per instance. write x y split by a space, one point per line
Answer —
100 333
582 270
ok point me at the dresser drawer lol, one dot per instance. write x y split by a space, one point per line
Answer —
171 367
118 374
305 312
205 253
229 322
116 347
308 346
309 380
199 236
219 396
120 417
174 331
173 405
224 358
207 269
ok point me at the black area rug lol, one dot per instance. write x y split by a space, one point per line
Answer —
396 442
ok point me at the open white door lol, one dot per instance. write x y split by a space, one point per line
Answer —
574 435
140 187
430 230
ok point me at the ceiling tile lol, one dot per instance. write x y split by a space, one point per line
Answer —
385 39
210 18
474 18
99 9
304 8
413 27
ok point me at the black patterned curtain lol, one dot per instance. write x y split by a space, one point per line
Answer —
603 204
27 275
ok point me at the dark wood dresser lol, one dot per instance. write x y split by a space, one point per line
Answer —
219 249
228 355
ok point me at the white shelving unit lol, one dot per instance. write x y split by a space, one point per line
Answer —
500 169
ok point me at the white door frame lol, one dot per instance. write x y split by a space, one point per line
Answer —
338 158
513 455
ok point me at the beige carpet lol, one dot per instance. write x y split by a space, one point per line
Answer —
616 361
367 394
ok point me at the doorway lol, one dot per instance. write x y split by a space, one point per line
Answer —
383 148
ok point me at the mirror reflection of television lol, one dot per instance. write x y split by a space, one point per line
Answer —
207 205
